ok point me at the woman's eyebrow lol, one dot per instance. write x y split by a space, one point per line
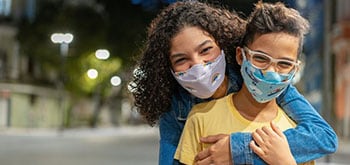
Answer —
172 56
203 43
197 48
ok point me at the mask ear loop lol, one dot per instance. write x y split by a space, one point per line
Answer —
243 54
295 70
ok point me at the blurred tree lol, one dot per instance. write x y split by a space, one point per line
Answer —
150 5
117 26
127 27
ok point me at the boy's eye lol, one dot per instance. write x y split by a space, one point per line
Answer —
285 64
260 58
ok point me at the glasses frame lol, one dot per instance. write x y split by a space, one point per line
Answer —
272 60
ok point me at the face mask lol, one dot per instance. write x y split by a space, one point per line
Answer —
264 86
202 80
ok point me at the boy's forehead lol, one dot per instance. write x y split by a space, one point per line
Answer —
274 38
276 44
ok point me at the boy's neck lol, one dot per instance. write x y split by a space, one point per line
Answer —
252 110
222 90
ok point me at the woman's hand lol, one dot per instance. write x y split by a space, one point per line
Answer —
217 153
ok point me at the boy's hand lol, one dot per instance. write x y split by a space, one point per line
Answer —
271 145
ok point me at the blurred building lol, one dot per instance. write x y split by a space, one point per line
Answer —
341 50
23 103
30 96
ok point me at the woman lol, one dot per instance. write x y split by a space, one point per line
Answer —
161 96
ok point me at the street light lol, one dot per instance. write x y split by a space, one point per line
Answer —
92 73
116 81
64 39
102 54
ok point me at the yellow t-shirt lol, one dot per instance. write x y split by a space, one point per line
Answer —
214 117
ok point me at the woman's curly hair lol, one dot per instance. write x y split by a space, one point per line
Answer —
153 84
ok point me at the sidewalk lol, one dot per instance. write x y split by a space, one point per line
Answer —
144 130
344 147
123 145
340 157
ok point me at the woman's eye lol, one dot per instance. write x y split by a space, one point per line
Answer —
205 50
177 61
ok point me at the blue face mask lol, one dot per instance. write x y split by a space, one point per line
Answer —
264 86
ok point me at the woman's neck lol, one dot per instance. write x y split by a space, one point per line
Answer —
222 90
252 110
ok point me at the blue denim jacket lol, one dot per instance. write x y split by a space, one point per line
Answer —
311 139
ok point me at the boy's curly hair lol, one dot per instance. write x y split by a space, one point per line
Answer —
153 84
274 18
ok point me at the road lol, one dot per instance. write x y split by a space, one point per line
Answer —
111 146
80 148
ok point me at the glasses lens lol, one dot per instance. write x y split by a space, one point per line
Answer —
260 61
263 61
285 66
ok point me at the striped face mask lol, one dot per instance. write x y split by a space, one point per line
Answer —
202 80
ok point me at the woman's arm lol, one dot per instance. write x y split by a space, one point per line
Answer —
171 124
311 139
170 133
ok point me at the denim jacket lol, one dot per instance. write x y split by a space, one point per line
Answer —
311 139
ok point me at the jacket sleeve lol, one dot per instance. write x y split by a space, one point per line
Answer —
170 132
311 139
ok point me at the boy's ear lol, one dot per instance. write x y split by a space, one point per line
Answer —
239 57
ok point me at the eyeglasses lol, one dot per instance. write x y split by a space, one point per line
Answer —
263 61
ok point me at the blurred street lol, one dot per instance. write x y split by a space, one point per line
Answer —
108 146
341 157
69 64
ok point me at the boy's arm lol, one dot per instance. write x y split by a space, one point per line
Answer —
271 145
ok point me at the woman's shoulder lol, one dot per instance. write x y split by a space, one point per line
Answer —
210 107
